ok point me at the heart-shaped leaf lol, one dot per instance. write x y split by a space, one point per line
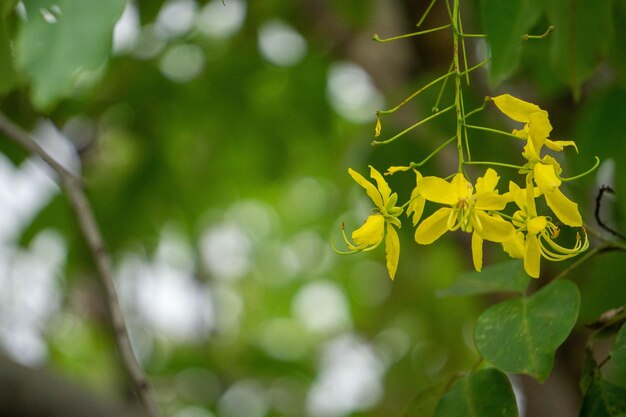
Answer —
486 393
521 335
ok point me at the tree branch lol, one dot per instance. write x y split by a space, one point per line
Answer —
82 209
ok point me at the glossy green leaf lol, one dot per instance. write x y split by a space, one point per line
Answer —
584 29
618 354
603 399
521 335
486 393
504 22
62 39
506 276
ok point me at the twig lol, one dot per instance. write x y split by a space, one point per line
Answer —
89 228
601 191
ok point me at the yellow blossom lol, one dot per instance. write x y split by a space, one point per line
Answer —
544 170
535 234
468 211
380 224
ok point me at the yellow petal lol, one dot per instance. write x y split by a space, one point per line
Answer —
517 194
531 194
539 128
377 128
516 109
383 187
546 178
433 227
565 209
394 169
532 256
514 245
488 182
372 192
416 206
477 251
438 190
371 233
559 145
490 201
536 225
461 186
392 248
493 228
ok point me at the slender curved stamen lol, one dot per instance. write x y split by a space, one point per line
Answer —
453 220
562 253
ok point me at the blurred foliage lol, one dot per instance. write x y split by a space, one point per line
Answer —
218 175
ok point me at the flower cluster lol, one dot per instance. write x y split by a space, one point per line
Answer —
479 208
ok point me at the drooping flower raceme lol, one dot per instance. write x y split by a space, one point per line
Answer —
382 222
544 170
467 210
480 209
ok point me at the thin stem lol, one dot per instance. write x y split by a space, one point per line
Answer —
377 38
480 64
441 90
457 82
430 6
488 129
433 153
473 35
589 171
601 223
408 129
476 110
412 96
542 36
496 164
84 214
467 79
467 147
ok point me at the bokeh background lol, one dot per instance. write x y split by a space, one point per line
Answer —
215 146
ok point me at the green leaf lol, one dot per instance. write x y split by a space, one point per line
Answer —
486 393
584 29
62 39
603 399
521 335
504 22
8 77
425 402
506 276
6 6
589 370
618 354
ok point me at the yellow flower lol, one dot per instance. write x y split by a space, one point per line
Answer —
544 170
383 221
468 211
534 236
537 126
417 201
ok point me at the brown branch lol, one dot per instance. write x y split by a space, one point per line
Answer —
82 209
